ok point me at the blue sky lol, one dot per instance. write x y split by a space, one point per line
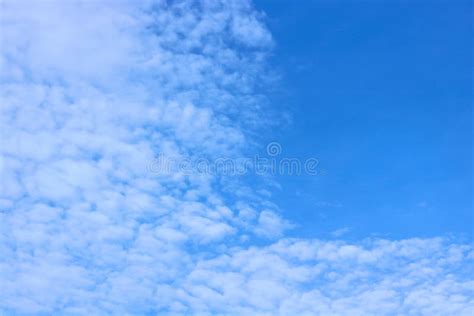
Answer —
381 94
98 97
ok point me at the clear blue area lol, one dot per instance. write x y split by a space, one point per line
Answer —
381 93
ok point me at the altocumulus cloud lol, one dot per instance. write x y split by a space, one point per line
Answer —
91 91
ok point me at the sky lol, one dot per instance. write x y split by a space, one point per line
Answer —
119 120
381 94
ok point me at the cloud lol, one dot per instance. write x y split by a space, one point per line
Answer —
314 277
271 224
340 232
91 93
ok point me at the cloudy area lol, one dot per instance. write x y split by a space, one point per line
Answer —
92 92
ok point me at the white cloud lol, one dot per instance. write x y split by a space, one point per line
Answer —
340 232
271 224
91 92
378 277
